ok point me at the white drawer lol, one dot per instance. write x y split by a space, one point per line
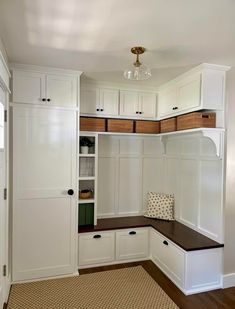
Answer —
132 244
96 248
168 257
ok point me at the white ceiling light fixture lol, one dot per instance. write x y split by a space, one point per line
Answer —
137 71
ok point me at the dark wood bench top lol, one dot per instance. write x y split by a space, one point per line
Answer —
183 236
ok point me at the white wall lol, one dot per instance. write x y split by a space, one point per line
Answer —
229 250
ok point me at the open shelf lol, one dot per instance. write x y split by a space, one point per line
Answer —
87 178
86 201
89 155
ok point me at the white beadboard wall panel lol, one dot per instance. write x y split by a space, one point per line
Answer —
107 186
189 189
131 146
129 191
210 212
153 177
152 147
108 145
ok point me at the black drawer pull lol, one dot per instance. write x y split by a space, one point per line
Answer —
132 233
97 236
165 242
174 108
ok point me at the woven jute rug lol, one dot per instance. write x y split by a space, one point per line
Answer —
126 288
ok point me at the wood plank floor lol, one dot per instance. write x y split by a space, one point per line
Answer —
222 299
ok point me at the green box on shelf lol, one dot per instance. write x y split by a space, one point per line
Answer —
86 214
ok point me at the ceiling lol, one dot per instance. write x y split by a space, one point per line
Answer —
95 36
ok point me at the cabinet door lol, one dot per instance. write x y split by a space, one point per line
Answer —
109 102
28 87
147 104
132 244
44 215
129 103
61 90
96 248
168 257
90 101
167 101
189 93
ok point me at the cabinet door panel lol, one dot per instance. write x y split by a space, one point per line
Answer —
61 90
89 101
167 100
28 87
44 215
147 103
189 93
109 102
129 103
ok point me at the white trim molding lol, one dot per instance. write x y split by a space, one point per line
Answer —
228 280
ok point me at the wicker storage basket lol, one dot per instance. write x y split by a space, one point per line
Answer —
196 120
150 127
168 125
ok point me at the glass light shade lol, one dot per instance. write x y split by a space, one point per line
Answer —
141 72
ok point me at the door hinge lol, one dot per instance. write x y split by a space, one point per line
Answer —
5 194
5 115
4 270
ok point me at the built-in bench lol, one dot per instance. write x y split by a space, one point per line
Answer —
183 236
191 260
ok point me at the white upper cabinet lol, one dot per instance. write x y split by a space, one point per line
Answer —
129 103
99 101
142 104
109 101
89 101
28 87
49 89
201 88
147 104
61 90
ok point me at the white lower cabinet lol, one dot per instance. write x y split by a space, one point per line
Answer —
132 244
96 248
192 271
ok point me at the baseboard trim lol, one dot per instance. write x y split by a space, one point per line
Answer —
228 280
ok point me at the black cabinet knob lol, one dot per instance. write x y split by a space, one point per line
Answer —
101 110
132 233
175 107
140 113
70 192
97 236
137 112
43 99
48 100
97 109
165 242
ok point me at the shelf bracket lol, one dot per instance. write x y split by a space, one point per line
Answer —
217 138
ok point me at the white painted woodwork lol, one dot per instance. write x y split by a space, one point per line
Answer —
44 215
96 250
203 87
192 271
46 87
132 246
109 102
168 257
129 103
147 104
61 90
185 165
89 100
28 87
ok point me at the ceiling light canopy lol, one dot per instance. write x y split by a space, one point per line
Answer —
137 71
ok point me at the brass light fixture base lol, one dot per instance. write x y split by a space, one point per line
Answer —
138 50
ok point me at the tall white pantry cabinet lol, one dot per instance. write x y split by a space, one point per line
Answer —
45 184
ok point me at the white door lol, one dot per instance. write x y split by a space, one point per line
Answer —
109 102
29 87
129 103
90 101
3 204
44 215
61 90
147 103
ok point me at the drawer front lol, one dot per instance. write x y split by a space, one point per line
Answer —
168 257
132 244
96 248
